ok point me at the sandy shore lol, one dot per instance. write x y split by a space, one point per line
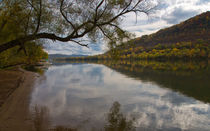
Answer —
15 89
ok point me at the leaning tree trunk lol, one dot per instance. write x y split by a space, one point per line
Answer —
19 41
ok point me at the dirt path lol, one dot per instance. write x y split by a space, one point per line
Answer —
14 111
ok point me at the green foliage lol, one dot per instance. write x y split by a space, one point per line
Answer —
34 53
11 27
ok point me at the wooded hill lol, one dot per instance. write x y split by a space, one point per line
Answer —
192 29
189 39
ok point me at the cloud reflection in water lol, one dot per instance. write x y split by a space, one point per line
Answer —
82 94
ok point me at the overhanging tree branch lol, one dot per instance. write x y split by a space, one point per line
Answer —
77 42
87 20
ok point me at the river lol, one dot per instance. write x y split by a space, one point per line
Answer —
106 97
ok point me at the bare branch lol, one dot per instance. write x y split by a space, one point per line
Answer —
106 5
77 42
65 16
96 10
39 17
22 47
27 23
104 33
117 27
31 4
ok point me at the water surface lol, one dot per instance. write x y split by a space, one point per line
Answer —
88 97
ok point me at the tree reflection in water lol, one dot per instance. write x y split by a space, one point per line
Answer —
116 121
40 118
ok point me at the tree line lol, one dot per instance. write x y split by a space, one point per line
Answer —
183 50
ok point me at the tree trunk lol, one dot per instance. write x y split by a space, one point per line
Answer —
27 38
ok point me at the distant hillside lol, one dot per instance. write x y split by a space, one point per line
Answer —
192 29
53 56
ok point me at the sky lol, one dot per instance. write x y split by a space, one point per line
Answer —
166 14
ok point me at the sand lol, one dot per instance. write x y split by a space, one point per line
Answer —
15 89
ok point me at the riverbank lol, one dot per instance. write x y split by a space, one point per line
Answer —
15 88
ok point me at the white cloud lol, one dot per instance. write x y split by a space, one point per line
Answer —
70 48
140 30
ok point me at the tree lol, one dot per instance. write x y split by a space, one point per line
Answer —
67 20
